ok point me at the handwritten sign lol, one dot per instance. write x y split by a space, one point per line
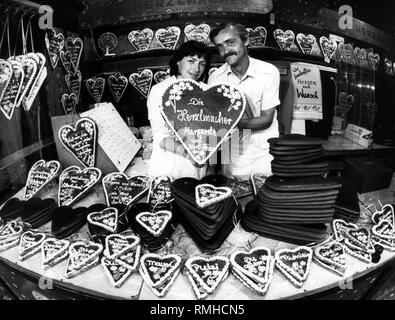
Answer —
168 38
117 84
81 140
40 174
95 87
141 39
199 33
74 183
202 116
142 81
54 42
74 46
73 82
120 189
160 190
257 37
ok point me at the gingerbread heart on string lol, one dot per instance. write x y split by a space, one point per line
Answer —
74 46
30 71
284 39
95 87
328 48
306 42
38 79
199 33
168 38
361 56
346 52
161 75
73 81
207 194
69 103
54 42
81 140
5 76
106 219
142 81
346 102
67 61
388 66
141 39
374 60
154 222
160 191
117 84
257 37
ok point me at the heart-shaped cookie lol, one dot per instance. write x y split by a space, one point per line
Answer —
117 84
53 249
69 103
207 194
116 244
38 79
168 38
73 271
142 81
346 52
54 43
346 102
199 33
116 273
328 48
284 39
30 68
208 272
254 264
74 46
340 228
40 174
160 191
295 264
130 259
199 115
257 37
95 87
360 239
158 268
154 222
161 75
388 66
10 231
80 139
13 90
197 288
161 290
5 76
73 82
120 189
374 60
359 254
361 56
67 61
30 244
83 252
306 42
332 256
141 39
106 219
384 230
386 213
74 183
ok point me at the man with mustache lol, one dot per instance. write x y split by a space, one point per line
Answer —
248 152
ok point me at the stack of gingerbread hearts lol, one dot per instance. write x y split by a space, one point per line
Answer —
208 212
53 251
68 221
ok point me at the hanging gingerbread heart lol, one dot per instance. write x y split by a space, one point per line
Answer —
161 75
120 189
95 87
81 140
257 37
73 81
54 43
38 80
74 183
106 219
388 66
54 250
74 46
30 244
199 114
142 81
154 222
346 102
30 70
332 257
67 61
141 39
361 56
199 33
117 245
328 48
346 53
374 60
160 191
284 39
40 175
69 103
13 90
168 38
5 76
306 43
117 84
116 273
207 194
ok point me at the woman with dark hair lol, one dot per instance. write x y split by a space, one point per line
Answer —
190 61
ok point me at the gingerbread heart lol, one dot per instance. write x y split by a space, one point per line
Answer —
67 61
284 39
158 268
95 87
117 245
340 227
13 90
161 75
359 254
295 264
306 43
30 244
30 70
197 288
5 76
141 39
198 33
106 219
73 271
360 239
188 108
361 56
374 60
328 48
346 52
160 191
386 213
40 174
168 38
81 140
117 84
38 79
384 230
161 290
388 244
142 81
84 252
74 46
208 272
53 249
120 189
332 256
207 194
154 222
69 102
130 259
116 273
74 183
54 42
73 82
388 66
10 231
257 37
346 102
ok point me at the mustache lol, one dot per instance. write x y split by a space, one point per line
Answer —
230 53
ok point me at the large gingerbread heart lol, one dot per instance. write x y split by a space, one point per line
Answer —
40 174
168 37
202 117
116 245
81 139
361 56
117 84
360 239
207 194
154 222
106 219
74 183
328 48
284 39
69 102
120 189
74 46
306 43
384 230
141 40
257 37
142 81
54 43
198 33
73 82
95 87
